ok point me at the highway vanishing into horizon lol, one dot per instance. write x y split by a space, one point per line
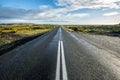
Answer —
59 55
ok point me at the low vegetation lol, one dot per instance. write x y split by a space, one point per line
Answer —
111 30
10 33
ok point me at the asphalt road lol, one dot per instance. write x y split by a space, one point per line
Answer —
59 55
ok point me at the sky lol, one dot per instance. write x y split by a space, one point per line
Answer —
60 11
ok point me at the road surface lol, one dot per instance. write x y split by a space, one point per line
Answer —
59 55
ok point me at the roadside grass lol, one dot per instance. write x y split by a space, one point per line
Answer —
110 30
31 32
10 34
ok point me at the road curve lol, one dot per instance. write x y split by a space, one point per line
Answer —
59 55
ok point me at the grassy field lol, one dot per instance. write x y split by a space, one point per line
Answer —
111 30
14 32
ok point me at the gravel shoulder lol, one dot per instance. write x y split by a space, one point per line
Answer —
111 44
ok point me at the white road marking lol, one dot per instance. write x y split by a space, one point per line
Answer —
60 30
58 64
61 53
64 71
60 35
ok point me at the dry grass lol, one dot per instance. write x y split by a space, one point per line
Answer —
11 33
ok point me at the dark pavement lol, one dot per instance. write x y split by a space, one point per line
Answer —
37 60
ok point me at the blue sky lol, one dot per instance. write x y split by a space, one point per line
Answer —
60 11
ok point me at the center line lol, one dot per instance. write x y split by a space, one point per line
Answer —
64 71
61 53
58 63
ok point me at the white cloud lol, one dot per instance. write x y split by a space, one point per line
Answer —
66 13
52 13
77 15
44 7
110 14
59 13
78 4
